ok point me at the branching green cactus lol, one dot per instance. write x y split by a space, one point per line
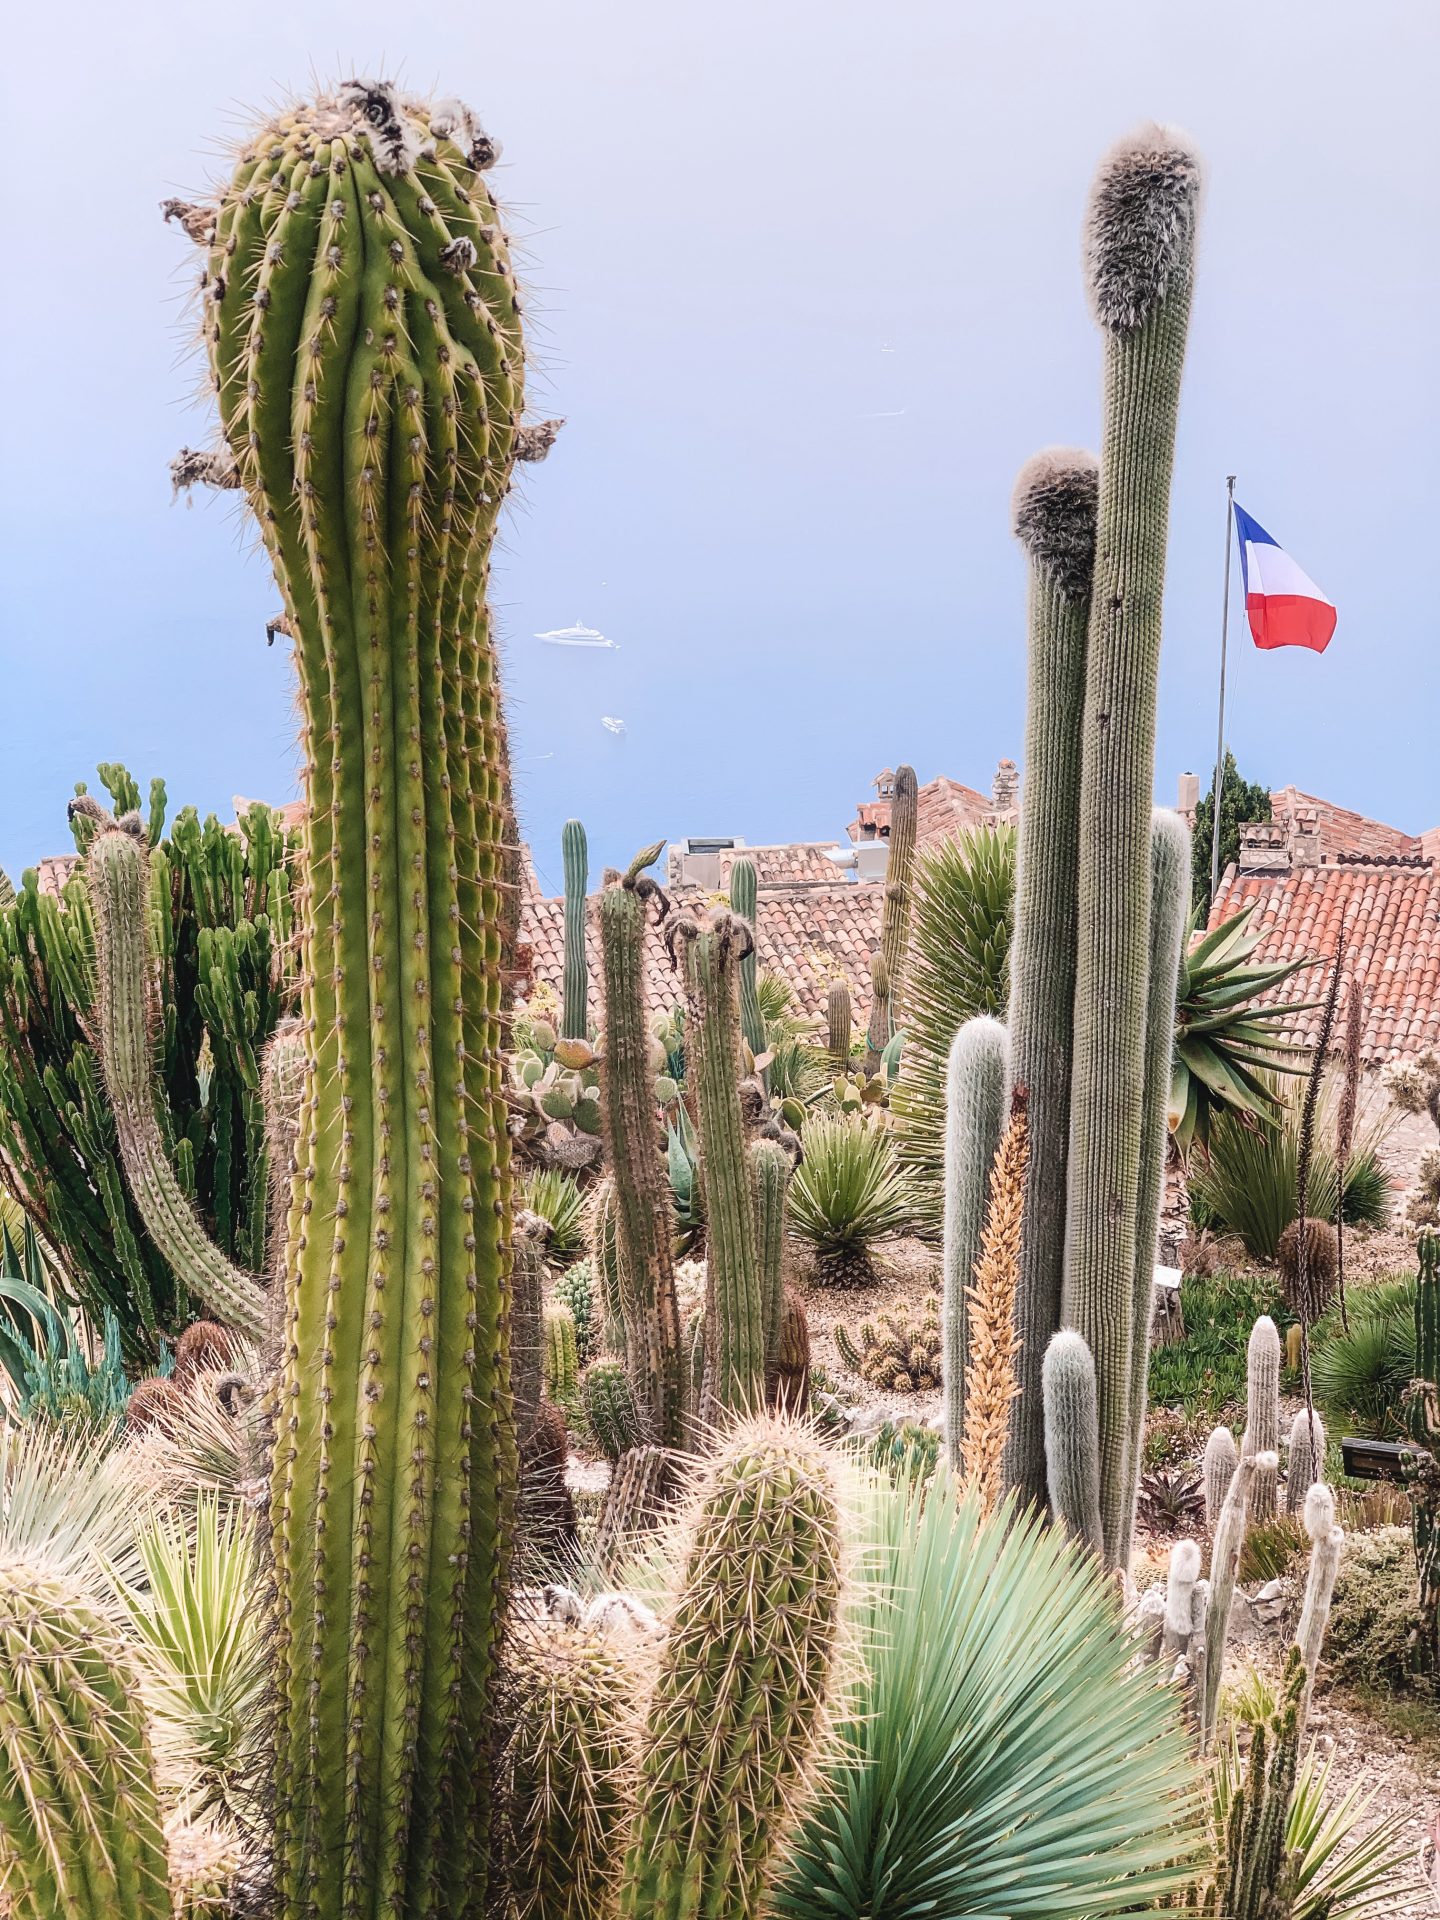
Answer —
741 1694
899 885
363 330
1053 513
642 1194
1072 1438
574 1002
709 949
117 870
80 1831
975 1098
1140 259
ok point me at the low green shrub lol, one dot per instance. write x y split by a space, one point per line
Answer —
1373 1616
1205 1372
1360 1374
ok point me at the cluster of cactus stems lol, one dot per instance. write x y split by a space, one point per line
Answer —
641 1191
363 329
1255 1877
897 1352
575 991
710 949
1100 890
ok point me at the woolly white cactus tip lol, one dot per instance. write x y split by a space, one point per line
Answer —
1068 1350
1264 1335
1052 513
1268 1462
1319 1511
1140 224
1184 1563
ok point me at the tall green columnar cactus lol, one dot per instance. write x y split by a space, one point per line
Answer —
770 1172
1072 1438
709 948
80 1834
1053 513
1421 1413
741 1692
364 338
1169 907
899 884
745 900
839 1024
1140 256
631 1124
117 869
575 987
975 1100
1257 1878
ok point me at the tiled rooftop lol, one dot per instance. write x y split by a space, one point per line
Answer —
1390 912
1341 830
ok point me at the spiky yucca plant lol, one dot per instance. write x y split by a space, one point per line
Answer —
959 948
847 1193
1001 1754
1226 1044
557 1197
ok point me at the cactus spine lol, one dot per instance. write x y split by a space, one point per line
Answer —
839 1024
1169 910
642 1194
1262 1410
1053 514
741 1692
80 1831
575 985
364 338
1307 1458
1220 1459
710 949
1140 248
975 1088
1072 1438
899 884
118 870
745 900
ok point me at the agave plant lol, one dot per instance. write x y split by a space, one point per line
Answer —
957 967
1341 1872
1170 1500
193 1614
848 1192
1002 1753
1225 1044
65 1507
556 1196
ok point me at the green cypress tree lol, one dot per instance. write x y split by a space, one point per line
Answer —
1240 801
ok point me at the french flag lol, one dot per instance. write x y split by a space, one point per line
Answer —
1284 605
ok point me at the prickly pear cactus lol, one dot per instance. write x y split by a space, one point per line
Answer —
363 330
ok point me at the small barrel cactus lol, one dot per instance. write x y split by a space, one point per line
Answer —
1309 1284
609 1407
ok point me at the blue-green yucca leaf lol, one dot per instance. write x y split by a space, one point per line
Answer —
1002 1759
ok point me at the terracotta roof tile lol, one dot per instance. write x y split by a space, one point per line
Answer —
1390 911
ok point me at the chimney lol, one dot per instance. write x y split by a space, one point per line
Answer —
1188 798
1305 837
1264 847
1006 789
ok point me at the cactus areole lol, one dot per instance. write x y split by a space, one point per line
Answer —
364 339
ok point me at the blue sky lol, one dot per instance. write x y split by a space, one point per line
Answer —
808 291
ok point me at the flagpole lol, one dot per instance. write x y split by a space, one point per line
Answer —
1220 742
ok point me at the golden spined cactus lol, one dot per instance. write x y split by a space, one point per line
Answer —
899 1352
991 1380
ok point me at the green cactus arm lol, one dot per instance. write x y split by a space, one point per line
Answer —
1072 1438
363 330
879 1028
899 885
642 1199
735 1330
1169 901
575 988
1053 514
975 1088
1140 259
839 1024
742 1690
745 900
770 1174
118 873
